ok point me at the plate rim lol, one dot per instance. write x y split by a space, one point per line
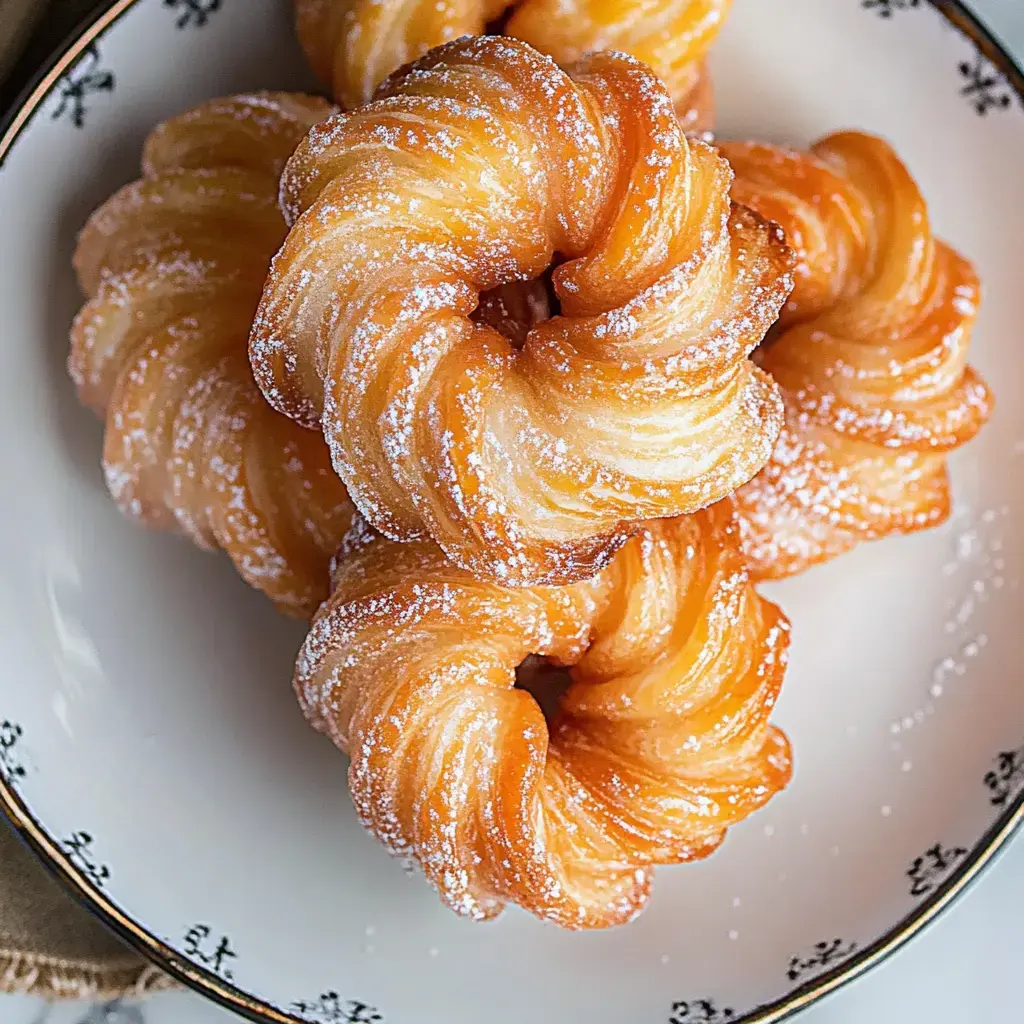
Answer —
49 853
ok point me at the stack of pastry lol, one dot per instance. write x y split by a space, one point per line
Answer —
501 364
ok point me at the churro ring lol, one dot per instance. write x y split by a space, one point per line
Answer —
870 354
354 44
470 171
173 265
661 742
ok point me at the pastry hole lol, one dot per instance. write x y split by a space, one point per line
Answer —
513 308
545 682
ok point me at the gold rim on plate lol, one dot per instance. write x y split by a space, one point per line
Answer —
209 984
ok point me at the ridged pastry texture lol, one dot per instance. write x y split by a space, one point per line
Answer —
660 743
173 265
354 44
471 170
871 354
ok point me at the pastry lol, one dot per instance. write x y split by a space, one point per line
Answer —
659 744
354 44
672 37
471 170
173 265
870 353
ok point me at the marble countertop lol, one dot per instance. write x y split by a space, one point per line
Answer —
962 970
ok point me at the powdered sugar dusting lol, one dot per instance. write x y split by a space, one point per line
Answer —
661 741
174 264
528 462
871 356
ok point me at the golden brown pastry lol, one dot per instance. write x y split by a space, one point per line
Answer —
672 37
354 44
870 354
660 743
471 170
173 265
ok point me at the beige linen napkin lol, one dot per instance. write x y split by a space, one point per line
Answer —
50 946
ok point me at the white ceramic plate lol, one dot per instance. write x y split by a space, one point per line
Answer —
150 747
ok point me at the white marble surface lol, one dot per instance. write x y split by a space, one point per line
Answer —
962 970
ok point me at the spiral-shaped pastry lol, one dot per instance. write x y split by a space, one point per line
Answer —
173 265
354 44
672 37
471 170
871 354
660 743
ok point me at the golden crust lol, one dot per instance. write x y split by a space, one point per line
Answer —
661 742
471 170
870 354
672 37
172 266
355 44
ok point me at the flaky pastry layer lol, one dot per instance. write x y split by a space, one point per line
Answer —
471 170
173 266
661 742
871 354
354 44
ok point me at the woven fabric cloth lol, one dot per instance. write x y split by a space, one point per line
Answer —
50 946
